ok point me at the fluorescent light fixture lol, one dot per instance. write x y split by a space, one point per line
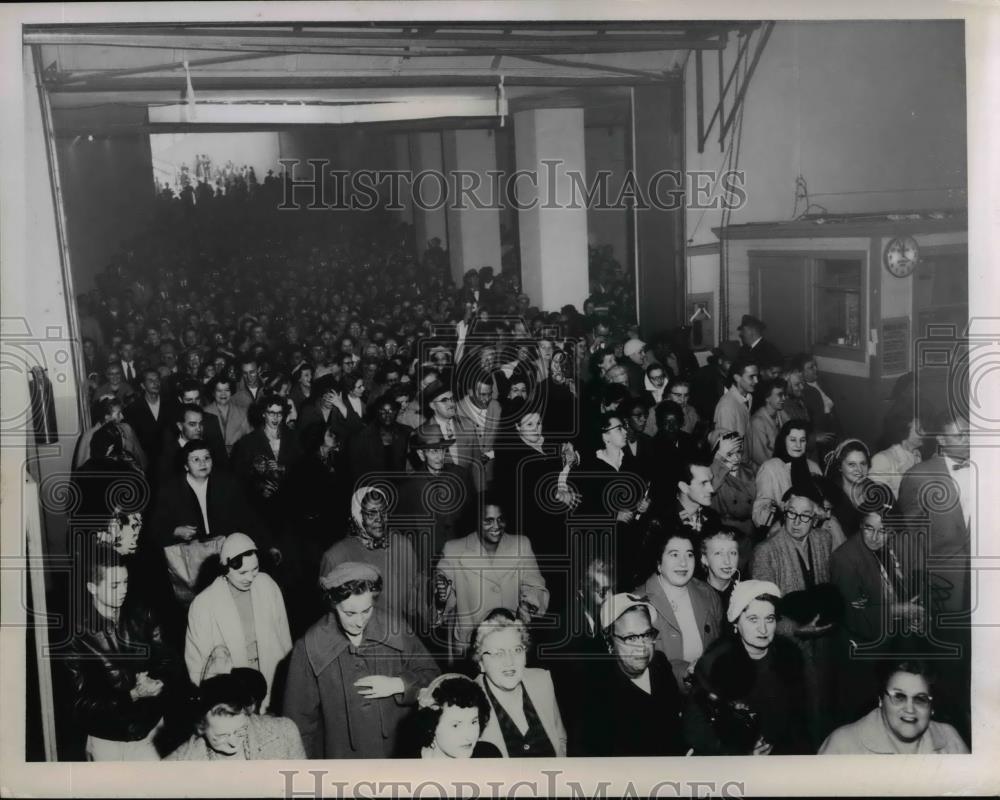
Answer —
243 113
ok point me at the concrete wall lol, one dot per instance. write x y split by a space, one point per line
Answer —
108 193
871 114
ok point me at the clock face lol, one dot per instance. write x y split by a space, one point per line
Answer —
901 256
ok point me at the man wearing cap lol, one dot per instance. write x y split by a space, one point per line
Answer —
732 412
633 705
755 346
708 383
437 489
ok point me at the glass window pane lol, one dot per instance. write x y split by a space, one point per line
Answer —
838 289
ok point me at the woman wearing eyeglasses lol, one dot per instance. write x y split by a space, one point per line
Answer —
874 582
631 705
525 721
901 722
243 611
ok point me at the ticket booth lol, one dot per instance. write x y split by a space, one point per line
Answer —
866 294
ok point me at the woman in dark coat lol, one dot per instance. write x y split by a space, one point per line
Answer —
749 695
262 459
354 673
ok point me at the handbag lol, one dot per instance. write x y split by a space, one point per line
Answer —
185 562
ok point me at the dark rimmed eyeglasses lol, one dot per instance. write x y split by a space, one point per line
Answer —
647 637
805 516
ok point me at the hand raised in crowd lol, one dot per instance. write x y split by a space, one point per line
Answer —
762 748
730 449
570 458
375 687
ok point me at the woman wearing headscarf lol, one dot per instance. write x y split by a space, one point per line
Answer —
353 674
242 610
371 542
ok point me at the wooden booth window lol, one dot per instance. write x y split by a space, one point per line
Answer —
838 304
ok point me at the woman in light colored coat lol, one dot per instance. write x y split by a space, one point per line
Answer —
215 619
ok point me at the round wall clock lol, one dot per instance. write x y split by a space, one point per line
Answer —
902 255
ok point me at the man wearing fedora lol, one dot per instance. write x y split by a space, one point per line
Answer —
755 346
439 490
440 407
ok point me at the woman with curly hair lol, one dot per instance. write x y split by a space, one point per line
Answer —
525 720
452 713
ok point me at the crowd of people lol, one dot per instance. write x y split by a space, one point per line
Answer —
333 506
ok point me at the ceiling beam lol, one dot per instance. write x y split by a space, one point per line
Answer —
387 81
75 75
589 65
354 46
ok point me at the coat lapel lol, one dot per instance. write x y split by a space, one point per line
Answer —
660 602
229 622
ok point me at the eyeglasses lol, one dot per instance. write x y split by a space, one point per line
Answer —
613 428
639 638
503 653
806 516
920 701
871 529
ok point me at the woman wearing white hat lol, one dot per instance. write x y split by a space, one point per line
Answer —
242 611
748 697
